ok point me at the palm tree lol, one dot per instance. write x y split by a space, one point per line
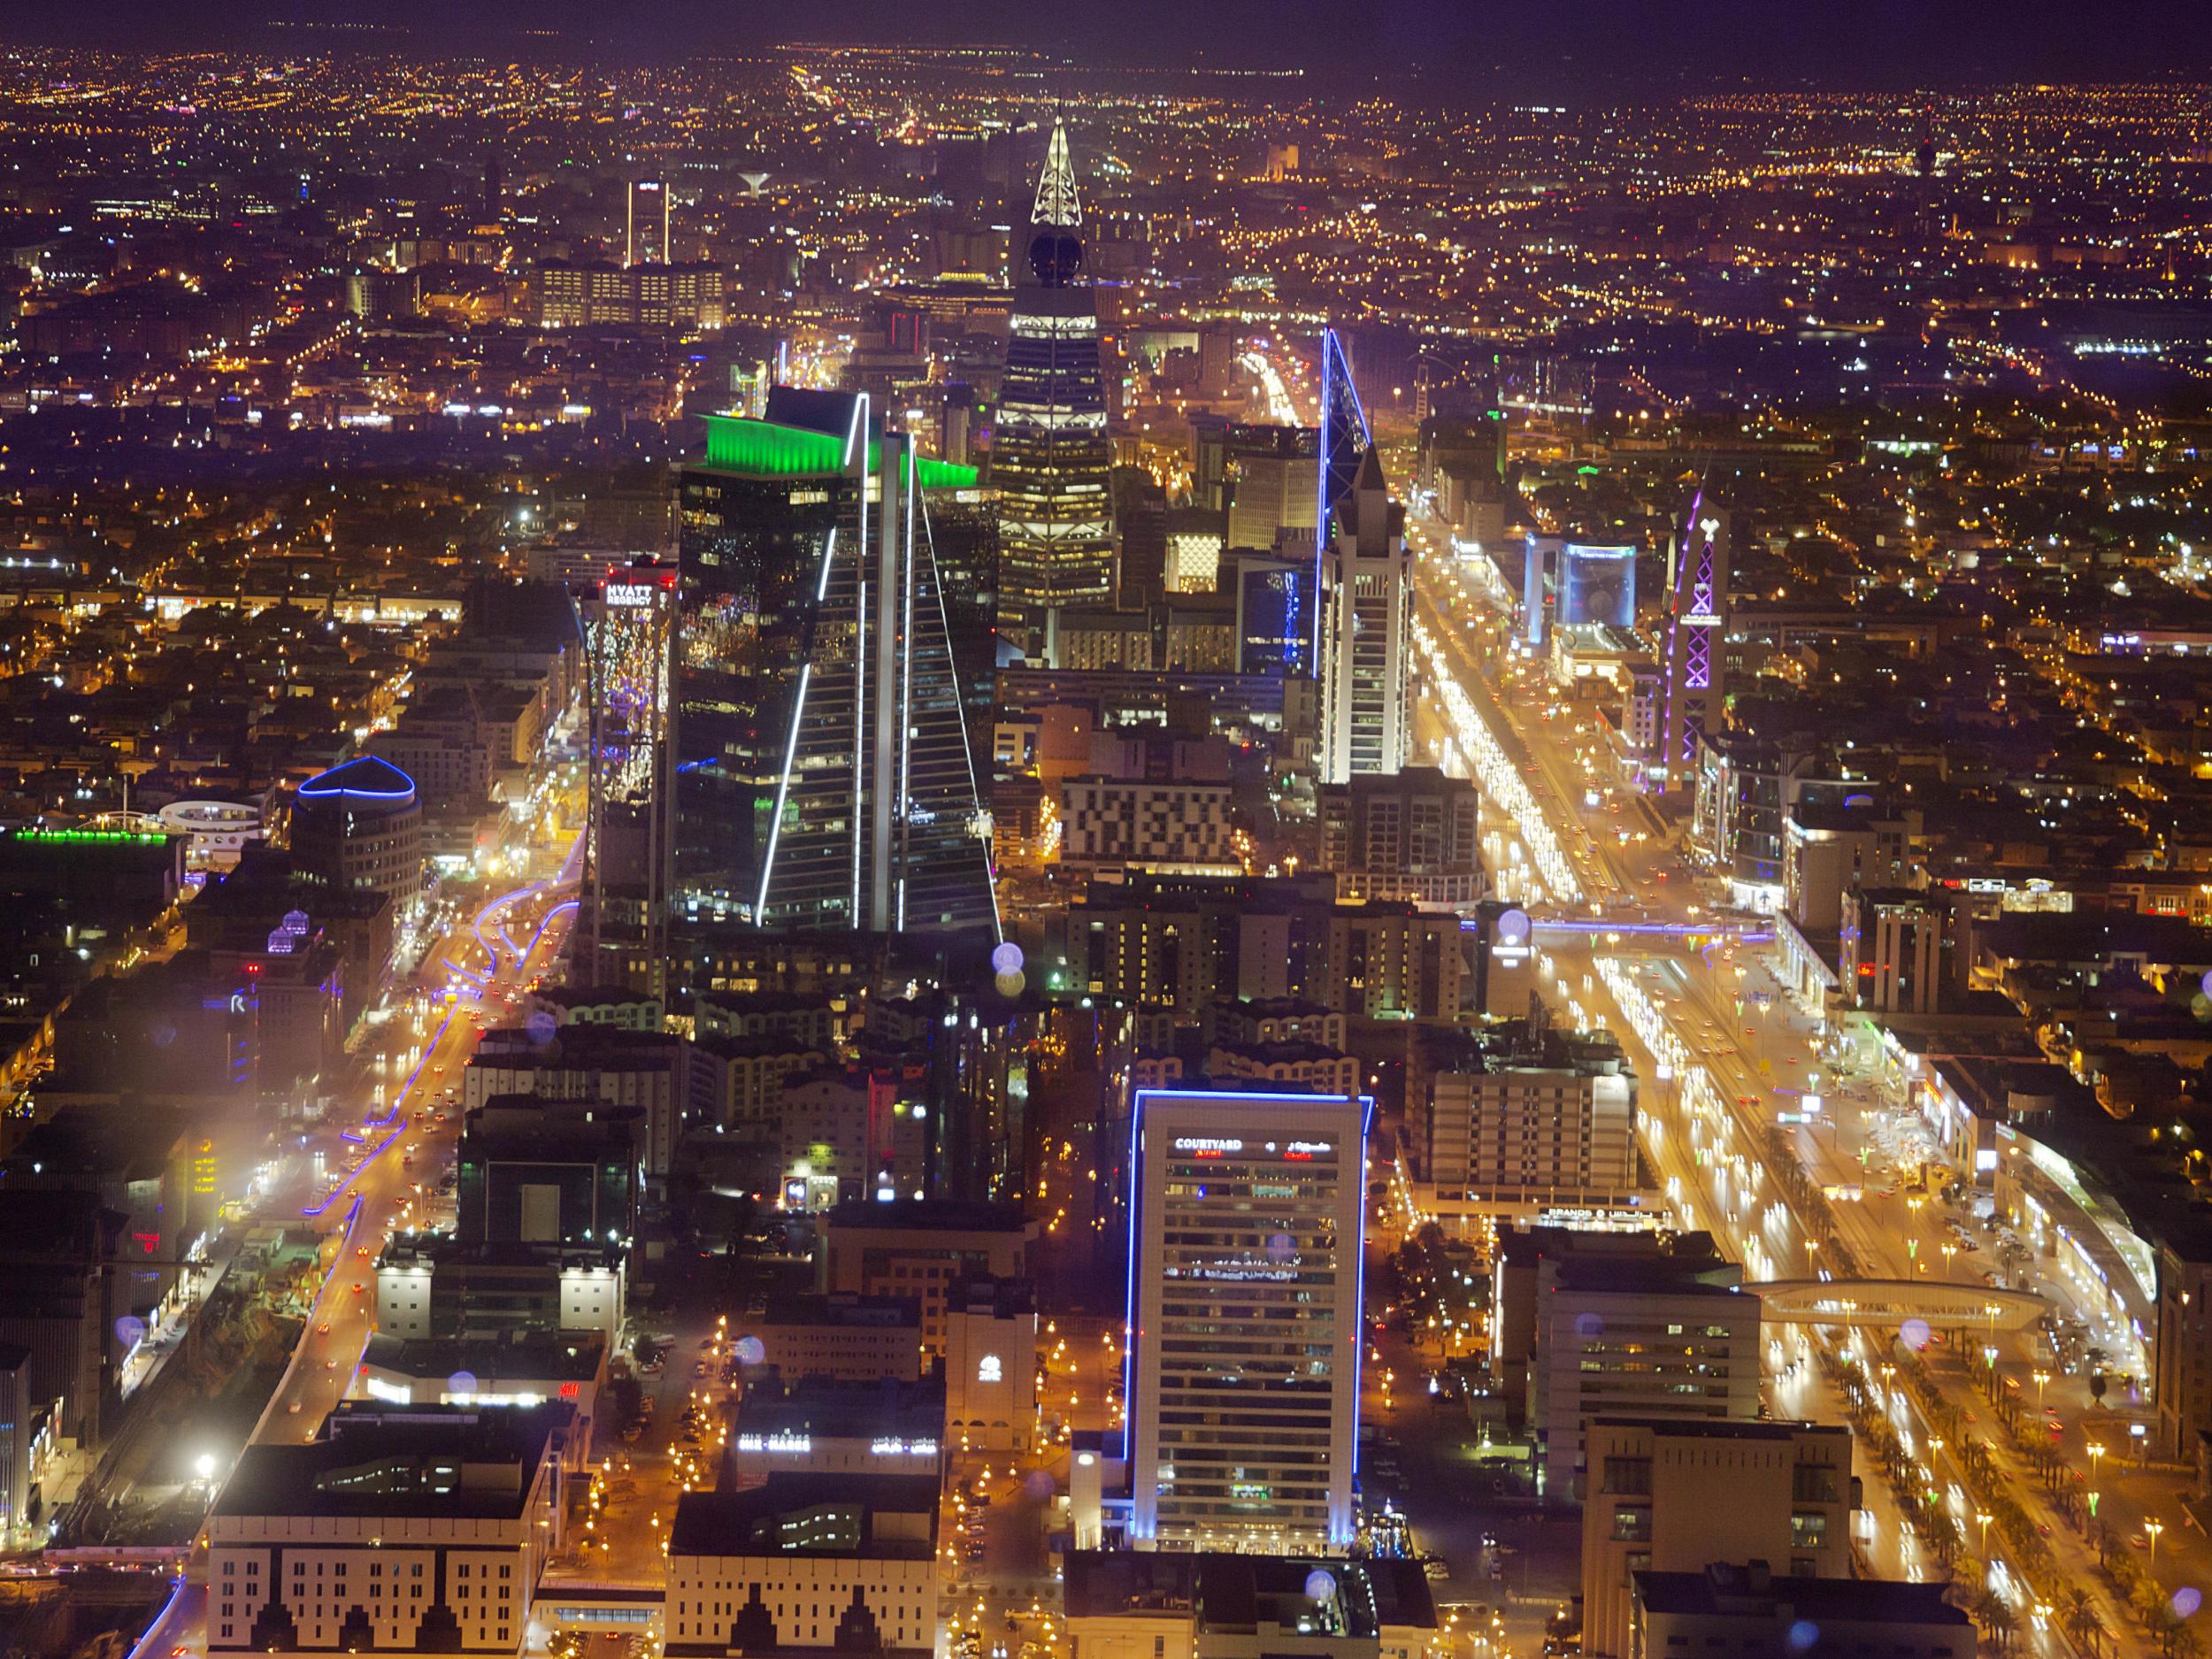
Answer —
2004 1626
2081 1617
1991 1613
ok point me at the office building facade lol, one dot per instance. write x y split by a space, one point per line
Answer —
1366 634
1244 1339
359 828
645 239
405 1529
1412 834
824 780
1549 1128
1676 1497
1051 458
1610 1340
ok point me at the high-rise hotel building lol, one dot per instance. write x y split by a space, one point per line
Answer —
1049 457
822 778
1244 1341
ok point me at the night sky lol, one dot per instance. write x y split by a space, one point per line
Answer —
1536 45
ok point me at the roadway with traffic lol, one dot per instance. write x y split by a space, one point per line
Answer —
1724 1055
407 1141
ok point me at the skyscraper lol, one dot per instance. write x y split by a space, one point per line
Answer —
627 620
823 778
646 238
1343 441
1244 1308
1051 458
1366 626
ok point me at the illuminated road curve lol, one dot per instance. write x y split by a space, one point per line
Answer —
1889 1303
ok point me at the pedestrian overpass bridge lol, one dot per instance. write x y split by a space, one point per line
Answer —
1889 1303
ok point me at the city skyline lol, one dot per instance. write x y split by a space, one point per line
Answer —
1365 832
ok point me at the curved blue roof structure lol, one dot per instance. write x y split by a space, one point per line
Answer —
363 781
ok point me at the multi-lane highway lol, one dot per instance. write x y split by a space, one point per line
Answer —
406 1139
1726 1056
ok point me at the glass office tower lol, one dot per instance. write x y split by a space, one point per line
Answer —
1049 456
1244 1308
823 779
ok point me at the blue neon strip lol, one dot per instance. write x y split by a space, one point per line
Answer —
176 1589
310 792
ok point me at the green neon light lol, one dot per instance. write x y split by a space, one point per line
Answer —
74 837
738 443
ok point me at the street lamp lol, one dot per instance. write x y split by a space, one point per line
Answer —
1984 1517
2042 1381
2152 1529
2096 1460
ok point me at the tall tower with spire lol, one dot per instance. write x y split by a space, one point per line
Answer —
1049 456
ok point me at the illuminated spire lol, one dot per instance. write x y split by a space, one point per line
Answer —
1057 202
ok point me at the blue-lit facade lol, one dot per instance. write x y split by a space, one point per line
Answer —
1244 1342
1597 585
1270 640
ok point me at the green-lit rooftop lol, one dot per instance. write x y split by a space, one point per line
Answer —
739 443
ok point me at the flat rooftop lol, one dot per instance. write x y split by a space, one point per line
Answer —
411 1461
878 1516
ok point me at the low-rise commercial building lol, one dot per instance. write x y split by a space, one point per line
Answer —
1675 1496
523 1368
991 1364
432 1284
1412 834
601 1063
405 1529
805 1561
921 1248
1535 1126
1179 826
817 1426
1589 1324
1145 1604
1748 1608
843 1335
1302 1065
